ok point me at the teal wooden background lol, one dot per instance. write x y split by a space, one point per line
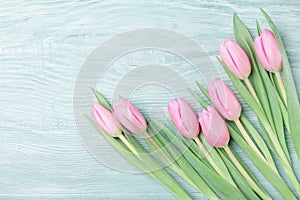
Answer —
42 47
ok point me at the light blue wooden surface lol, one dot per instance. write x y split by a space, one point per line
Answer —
42 47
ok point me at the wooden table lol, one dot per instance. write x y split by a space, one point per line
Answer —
43 45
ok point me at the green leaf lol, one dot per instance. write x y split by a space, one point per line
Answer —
223 188
272 176
217 159
252 104
282 105
243 37
146 157
160 175
264 168
238 177
292 97
183 164
196 150
101 99
233 125
246 168
190 143
273 104
266 127
203 90
279 145
198 98
258 28
278 93
258 139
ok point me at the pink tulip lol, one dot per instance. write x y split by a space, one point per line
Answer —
224 100
184 118
129 116
214 128
235 59
268 51
105 120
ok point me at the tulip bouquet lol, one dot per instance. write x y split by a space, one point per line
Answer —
199 151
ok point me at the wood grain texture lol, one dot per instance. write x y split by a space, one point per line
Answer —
42 47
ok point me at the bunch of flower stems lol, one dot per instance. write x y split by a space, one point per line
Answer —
197 147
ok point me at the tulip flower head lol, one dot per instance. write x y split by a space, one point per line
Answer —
184 118
214 128
235 59
105 120
268 51
224 100
129 116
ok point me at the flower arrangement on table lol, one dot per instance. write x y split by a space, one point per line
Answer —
207 162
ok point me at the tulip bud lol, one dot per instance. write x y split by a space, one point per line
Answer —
214 128
129 116
235 59
105 120
184 118
267 51
224 100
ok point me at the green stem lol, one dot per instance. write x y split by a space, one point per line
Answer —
132 149
251 143
211 161
290 172
181 173
252 184
252 91
281 85
174 166
285 163
276 143
247 138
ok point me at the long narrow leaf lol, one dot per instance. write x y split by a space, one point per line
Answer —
217 159
186 167
221 186
264 168
274 127
238 177
160 175
273 103
292 97
273 177
264 123
282 105
263 87
101 99
242 36
258 140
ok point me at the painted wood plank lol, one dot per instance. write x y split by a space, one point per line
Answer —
42 47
